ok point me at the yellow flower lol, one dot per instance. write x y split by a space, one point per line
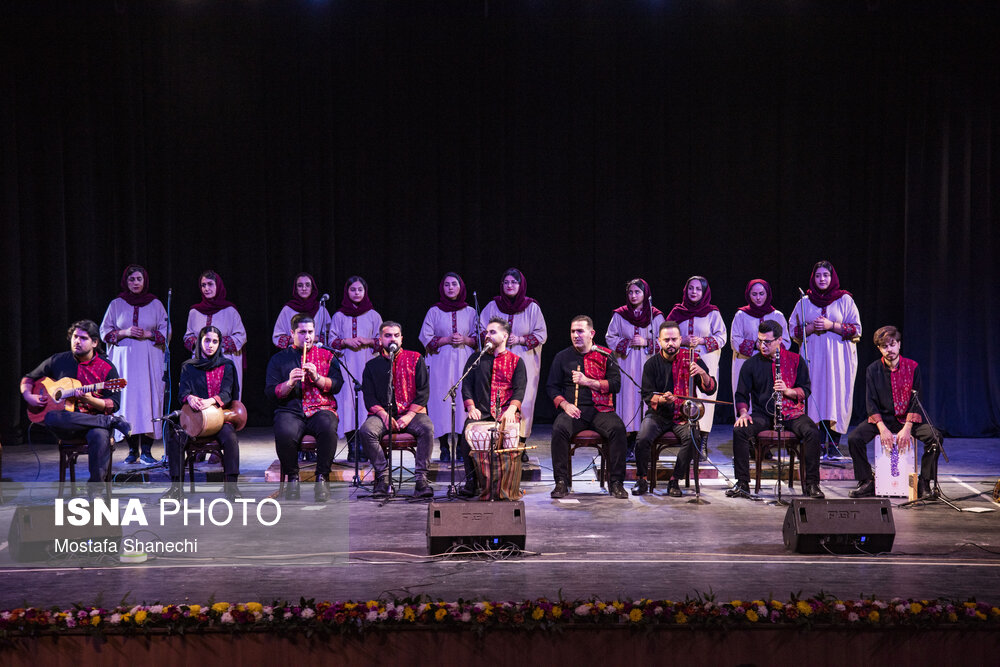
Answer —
194 608
372 604
556 611
916 607
804 607
620 606
537 614
140 617
757 603
981 616
736 603
126 618
873 616
635 615
350 605
953 617
752 616
220 607
440 614
680 618
255 607
995 611
970 605
95 620
601 605
775 604
409 614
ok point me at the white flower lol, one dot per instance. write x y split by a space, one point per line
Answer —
308 612
839 607
95 612
226 618
288 614
372 616
583 610
466 617
70 622
115 619
852 617
156 609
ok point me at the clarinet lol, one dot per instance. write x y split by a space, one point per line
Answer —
778 396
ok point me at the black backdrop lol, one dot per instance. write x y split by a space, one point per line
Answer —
585 142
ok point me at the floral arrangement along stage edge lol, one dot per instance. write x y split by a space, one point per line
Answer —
326 618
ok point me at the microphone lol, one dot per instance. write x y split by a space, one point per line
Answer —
393 348
323 299
173 415
488 347
604 352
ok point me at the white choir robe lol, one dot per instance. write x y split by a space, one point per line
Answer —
833 361
140 362
743 331
366 326
528 322
619 338
283 325
710 326
229 322
446 364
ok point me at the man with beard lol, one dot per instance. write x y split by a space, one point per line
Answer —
664 376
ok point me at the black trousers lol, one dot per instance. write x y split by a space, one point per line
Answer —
859 438
289 427
608 424
652 427
803 427
175 439
96 429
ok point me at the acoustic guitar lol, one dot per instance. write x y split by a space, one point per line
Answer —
62 394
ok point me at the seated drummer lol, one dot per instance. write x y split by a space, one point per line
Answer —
305 393
499 378
208 380
93 418
407 413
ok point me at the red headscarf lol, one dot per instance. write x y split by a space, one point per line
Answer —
688 309
754 310
824 298
217 302
309 305
645 313
143 298
511 306
348 307
450 305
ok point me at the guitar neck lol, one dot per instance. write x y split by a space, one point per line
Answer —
82 390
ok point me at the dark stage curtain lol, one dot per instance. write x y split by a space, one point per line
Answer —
584 142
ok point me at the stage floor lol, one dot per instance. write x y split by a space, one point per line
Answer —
587 544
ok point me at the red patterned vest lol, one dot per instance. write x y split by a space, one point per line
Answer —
503 375
595 366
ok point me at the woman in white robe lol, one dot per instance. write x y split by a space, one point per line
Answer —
215 311
354 335
743 332
448 335
305 299
828 342
701 327
633 334
528 334
136 331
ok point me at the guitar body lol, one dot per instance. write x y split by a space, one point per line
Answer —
62 394
54 390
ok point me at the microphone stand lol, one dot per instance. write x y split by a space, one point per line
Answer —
936 495
391 409
167 375
356 481
451 393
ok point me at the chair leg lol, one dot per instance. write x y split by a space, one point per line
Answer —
758 458
654 455
189 460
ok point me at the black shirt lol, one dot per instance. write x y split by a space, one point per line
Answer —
64 365
560 382
477 384
375 384
756 383
278 369
195 381
658 377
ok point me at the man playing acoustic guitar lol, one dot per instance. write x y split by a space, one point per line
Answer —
93 416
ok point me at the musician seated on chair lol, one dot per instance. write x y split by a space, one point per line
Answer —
209 380
893 413
757 386
665 379
303 380
405 413
492 391
582 384
89 416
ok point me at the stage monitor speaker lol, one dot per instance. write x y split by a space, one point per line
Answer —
839 526
476 525
34 536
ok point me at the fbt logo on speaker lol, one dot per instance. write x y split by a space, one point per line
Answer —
218 512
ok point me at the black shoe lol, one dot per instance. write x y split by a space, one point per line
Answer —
119 424
739 490
703 447
924 489
617 490
231 490
524 457
292 489
469 490
133 457
381 489
148 459
445 454
175 492
674 489
812 490
351 455
561 490
865 489
321 491
423 489
641 487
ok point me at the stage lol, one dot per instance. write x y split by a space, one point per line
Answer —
588 544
